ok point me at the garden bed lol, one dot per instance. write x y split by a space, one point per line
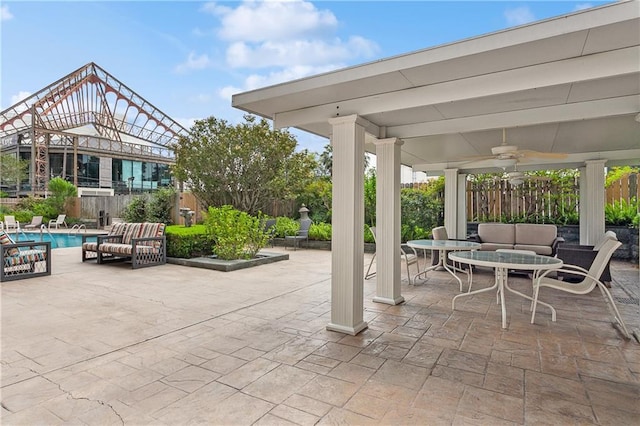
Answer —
208 262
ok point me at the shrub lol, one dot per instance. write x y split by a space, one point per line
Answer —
136 211
621 213
286 226
60 191
237 234
39 207
159 207
421 212
320 231
189 242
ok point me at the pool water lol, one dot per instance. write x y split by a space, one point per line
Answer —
59 240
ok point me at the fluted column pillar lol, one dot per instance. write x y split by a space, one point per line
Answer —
347 242
592 201
388 264
451 185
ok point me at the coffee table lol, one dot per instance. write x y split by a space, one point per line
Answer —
442 246
503 262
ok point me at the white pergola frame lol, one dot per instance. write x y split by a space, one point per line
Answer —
569 84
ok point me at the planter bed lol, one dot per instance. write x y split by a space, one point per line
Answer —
229 265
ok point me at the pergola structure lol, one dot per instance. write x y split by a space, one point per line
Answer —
89 112
569 84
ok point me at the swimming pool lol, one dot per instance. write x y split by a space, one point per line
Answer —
59 240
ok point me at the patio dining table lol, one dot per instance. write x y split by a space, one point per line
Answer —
502 262
443 246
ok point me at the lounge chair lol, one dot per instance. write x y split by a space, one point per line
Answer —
10 223
60 220
36 222
407 255
270 230
301 235
589 281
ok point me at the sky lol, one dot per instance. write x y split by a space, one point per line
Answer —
188 58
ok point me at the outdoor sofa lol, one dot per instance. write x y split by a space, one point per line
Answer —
539 238
23 259
144 244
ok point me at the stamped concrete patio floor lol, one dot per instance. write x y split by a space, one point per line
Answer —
171 345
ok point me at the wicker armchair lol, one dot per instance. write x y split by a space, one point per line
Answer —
583 256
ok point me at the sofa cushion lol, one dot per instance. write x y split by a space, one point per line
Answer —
543 250
535 234
118 228
494 246
90 246
26 257
125 249
500 233
5 239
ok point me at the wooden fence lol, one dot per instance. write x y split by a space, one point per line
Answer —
624 189
491 200
535 200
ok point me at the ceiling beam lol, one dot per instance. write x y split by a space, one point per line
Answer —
526 117
631 156
583 68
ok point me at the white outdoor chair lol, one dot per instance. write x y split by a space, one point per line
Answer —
586 285
10 223
407 255
60 220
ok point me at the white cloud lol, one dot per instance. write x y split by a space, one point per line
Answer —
5 14
22 95
288 39
187 123
194 62
200 98
293 52
519 15
228 91
259 21
583 6
255 81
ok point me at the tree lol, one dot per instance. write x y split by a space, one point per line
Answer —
325 162
12 170
245 166
60 190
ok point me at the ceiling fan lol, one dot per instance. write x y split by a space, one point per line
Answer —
509 155
517 178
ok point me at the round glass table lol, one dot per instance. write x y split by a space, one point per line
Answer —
503 262
442 246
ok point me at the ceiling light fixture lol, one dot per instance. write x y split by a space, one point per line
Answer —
503 163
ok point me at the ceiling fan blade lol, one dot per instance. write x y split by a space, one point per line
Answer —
538 154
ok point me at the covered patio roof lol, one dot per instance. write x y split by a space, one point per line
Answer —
569 84
567 88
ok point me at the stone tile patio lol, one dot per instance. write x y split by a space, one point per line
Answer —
104 344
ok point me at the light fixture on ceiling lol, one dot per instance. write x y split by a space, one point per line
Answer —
503 163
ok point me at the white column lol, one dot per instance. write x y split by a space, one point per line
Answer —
582 201
347 242
461 207
388 266
451 202
592 198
